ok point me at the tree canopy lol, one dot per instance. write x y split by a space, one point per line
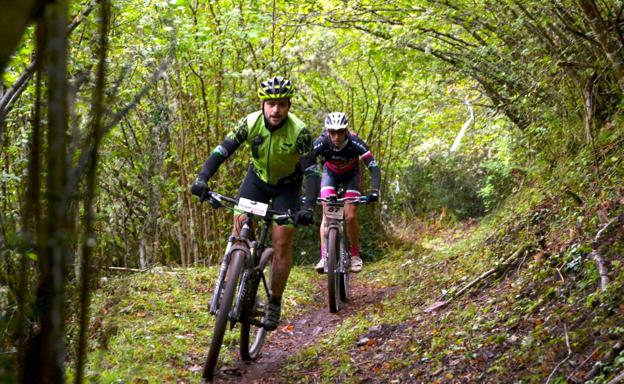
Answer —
108 109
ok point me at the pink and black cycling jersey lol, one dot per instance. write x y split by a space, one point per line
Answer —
344 159
343 163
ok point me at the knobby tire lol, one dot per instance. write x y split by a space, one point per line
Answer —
252 336
345 267
233 276
333 273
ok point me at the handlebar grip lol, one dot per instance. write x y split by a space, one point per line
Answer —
213 199
281 219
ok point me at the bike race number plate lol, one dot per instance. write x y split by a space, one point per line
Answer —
333 212
251 206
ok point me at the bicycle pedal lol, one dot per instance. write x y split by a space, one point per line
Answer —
258 313
257 322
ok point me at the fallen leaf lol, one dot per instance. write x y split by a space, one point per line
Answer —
539 257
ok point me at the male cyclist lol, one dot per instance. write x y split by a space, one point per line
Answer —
278 141
341 151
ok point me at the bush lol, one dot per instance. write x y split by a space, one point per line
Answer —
498 183
462 185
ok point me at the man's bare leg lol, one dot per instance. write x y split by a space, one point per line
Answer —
282 237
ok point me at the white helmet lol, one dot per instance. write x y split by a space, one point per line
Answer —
336 121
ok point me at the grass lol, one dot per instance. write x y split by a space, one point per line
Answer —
155 327
512 328
515 326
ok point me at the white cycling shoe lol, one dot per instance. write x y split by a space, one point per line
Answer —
320 266
356 264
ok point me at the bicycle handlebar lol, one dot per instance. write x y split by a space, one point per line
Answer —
362 199
231 203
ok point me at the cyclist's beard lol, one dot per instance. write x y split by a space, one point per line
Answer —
272 127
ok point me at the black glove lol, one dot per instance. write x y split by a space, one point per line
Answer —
200 189
373 196
304 217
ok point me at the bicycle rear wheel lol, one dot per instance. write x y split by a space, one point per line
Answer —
252 334
333 272
233 276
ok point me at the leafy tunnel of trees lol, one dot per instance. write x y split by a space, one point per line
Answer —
108 109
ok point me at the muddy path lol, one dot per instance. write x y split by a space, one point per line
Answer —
296 333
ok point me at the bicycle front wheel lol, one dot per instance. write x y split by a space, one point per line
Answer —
333 270
252 334
345 269
223 313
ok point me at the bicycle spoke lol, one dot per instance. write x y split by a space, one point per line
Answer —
252 333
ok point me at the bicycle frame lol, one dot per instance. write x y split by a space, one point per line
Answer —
236 295
252 249
338 261
339 225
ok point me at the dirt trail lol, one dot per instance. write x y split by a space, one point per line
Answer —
299 332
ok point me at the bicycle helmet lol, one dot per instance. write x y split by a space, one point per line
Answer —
336 121
276 88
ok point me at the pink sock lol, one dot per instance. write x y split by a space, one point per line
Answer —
322 251
355 250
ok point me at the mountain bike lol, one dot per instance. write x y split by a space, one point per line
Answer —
337 248
242 288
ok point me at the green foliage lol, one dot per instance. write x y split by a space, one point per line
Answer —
466 185
445 182
547 167
498 184
515 327
155 326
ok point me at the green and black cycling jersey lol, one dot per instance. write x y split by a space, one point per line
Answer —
279 155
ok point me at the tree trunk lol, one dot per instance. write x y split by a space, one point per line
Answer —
89 236
46 355
143 261
32 210
608 42
590 108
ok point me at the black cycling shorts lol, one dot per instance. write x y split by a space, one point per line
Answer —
283 196
332 181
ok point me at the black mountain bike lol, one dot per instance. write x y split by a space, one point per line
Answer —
337 248
242 288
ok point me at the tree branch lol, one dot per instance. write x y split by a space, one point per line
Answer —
498 270
83 161
16 89
595 255
609 356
